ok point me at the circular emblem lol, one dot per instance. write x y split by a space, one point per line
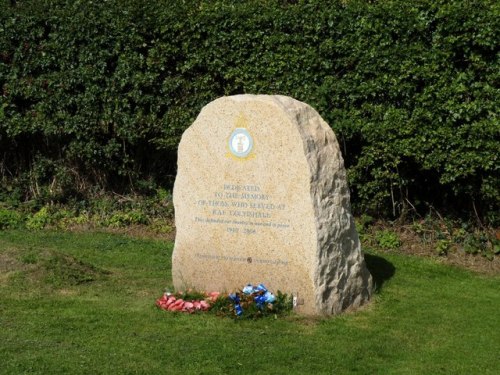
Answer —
240 142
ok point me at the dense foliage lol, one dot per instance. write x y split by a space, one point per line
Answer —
95 95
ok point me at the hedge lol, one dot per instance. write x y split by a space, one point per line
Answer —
95 95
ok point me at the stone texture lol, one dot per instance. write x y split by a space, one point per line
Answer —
261 196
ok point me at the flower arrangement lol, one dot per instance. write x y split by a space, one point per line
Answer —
188 302
250 302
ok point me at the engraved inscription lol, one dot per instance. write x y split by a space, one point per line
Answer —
242 209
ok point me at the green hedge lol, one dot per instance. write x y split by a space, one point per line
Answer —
97 94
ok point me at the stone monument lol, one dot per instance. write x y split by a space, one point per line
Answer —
261 197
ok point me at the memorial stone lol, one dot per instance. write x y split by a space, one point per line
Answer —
261 196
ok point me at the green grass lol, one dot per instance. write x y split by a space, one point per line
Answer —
83 303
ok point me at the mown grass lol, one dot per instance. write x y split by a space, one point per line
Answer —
83 303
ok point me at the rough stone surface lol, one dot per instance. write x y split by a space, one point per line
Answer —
261 196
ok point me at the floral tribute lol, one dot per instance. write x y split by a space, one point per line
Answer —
249 302
188 302
257 294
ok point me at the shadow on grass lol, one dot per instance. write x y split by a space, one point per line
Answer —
381 270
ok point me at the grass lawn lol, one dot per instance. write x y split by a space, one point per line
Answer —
83 303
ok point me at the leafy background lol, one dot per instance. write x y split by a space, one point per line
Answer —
94 96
